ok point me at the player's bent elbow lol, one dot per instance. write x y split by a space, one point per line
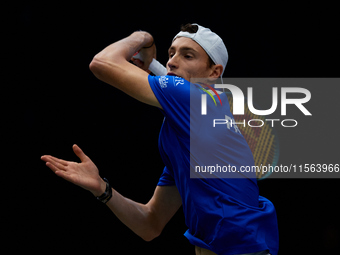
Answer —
150 235
106 70
92 65
97 66
153 229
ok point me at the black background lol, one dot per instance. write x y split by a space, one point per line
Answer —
56 102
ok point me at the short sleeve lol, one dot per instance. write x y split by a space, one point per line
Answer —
173 94
167 178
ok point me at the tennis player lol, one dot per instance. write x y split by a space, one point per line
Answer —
224 214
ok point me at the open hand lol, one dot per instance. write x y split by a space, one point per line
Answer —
84 174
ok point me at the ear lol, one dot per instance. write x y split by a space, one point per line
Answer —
216 71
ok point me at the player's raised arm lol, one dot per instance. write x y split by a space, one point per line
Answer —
112 66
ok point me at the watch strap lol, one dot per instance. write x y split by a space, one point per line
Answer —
106 196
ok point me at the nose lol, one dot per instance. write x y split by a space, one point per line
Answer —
172 63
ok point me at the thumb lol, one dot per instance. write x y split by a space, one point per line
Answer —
80 154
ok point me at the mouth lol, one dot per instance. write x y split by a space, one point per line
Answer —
173 74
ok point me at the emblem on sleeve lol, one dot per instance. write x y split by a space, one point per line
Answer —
163 81
179 81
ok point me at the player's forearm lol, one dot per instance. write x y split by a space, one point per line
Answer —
135 216
111 64
125 48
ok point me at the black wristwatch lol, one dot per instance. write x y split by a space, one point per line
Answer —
106 196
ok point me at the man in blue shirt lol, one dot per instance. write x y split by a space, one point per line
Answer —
223 209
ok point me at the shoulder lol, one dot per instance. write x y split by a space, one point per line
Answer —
170 89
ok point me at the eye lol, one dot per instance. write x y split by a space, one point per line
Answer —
188 56
171 55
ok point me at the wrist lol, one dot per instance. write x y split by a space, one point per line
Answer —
106 196
101 188
146 39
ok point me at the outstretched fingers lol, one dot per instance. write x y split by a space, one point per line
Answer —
55 164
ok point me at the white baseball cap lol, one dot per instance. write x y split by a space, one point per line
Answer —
210 42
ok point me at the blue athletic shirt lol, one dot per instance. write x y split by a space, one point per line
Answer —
223 211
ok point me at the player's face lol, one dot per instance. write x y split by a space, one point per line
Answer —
187 59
